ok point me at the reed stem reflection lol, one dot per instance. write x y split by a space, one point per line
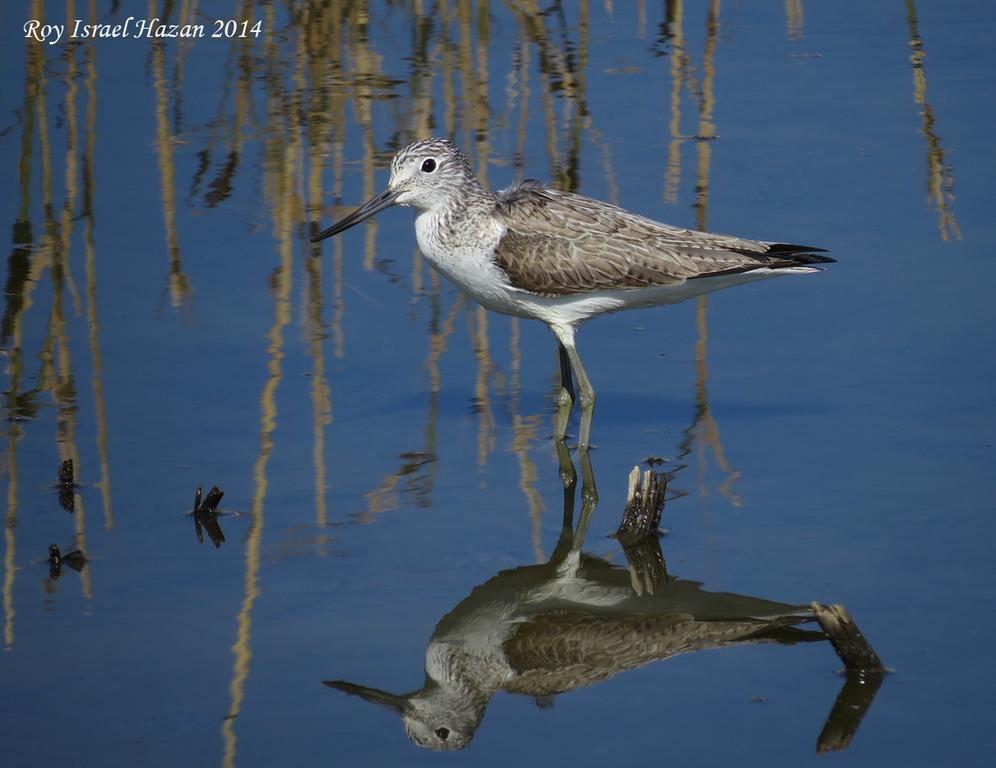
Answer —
795 17
281 164
89 237
940 179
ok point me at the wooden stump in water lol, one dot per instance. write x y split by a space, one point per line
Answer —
638 531
644 505
864 671
847 640
849 710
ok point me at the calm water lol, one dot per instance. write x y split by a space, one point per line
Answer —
385 447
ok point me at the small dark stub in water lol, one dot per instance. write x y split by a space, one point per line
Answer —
75 559
205 515
66 474
67 486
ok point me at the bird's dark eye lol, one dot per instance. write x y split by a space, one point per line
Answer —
442 733
428 167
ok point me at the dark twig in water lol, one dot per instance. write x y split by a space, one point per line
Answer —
205 515
67 486
211 501
74 559
66 474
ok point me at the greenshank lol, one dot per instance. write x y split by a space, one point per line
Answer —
532 631
559 257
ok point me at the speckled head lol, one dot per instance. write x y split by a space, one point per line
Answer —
425 174
436 717
429 172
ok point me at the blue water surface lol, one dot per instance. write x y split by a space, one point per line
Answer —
385 447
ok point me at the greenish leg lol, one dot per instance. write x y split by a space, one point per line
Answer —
568 475
565 398
589 497
567 554
586 393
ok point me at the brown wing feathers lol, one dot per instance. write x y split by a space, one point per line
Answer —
558 243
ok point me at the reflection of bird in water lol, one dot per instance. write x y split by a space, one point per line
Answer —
559 257
547 629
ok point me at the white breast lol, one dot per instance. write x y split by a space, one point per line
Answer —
466 258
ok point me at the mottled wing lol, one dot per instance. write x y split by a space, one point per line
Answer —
563 650
559 243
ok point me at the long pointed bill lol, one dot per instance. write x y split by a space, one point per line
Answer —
374 695
385 199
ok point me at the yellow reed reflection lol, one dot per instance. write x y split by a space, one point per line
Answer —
679 69
281 162
940 179
178 282
795 18
23 268
703 432
416 474
525 430
93 322
57 370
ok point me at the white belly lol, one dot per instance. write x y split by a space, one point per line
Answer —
469 263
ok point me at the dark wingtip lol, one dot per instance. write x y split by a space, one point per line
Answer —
810 258
793 248
799 254
777 256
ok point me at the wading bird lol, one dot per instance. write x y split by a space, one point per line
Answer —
559 257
